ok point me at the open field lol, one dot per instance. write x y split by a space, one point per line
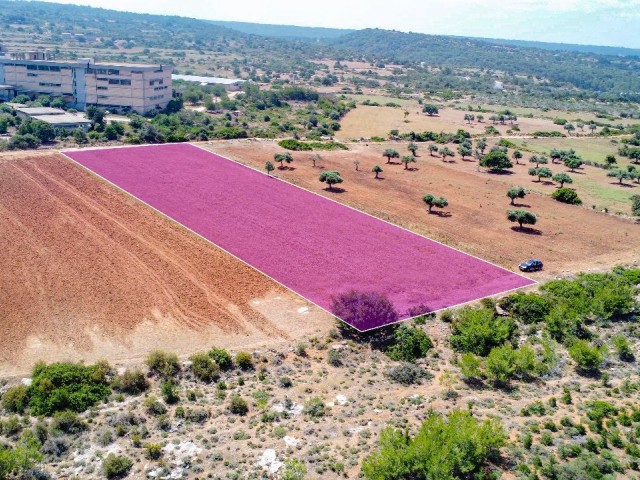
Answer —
88 272
367 121
316 247
568 238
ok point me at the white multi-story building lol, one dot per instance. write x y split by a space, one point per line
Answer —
83 82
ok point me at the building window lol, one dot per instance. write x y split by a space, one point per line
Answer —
102 79
158 81
48 84
115 81
160 88
32 74
156 97
102 88
103 96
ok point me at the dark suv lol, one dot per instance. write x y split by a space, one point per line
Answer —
531 265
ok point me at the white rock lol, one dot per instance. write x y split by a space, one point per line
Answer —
291 442
341 400
303 309
269 461
27 382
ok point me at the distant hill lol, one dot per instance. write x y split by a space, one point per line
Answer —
565 47
283 31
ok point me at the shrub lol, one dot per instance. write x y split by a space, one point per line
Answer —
456 446
132 382
19 459
153 451
238 406
409 344
163 364
221 357
169 393
68 422
294 470
315 408
155 407
244 361
334 358
115 466
501 364
204 368
478 330
589 358
66 386
406 374
16 399
567 195
470 366
622 347
364 310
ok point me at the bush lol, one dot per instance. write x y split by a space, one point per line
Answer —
501 364
169 392
153 451
163 364
364 310
294 470
68 422
238 406
526 307
334 358
315 407
478 330
155 407
66 386
589 358
567 195
204 368
132 382
409 344
470 366
14 461
115 466
456 446
16 399
244 361
221 357
406 374
622 347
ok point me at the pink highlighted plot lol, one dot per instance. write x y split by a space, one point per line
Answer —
318 248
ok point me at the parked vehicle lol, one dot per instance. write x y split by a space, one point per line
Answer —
531 265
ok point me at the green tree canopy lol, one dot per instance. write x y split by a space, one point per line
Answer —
496 161
523 217
331 178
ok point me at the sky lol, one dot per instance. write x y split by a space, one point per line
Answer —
594 22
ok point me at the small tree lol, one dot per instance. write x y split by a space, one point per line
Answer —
621 175
496 160
635 205
588 358
446 152
569 127
413 148
469 117
283 157
433 201
407 159
517 155
390 153
331 178
523 217
356 163
592 127
377 169
538 160
541 172
433 149
562 178
269 167
480 118
516 192
481 145
315 158
610 159
566 195
572 162
430 109
464 151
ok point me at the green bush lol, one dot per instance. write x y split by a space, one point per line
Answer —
16 399
406 374
409 344
621 345
221 357
17 460
315 407
470 366
526 307
153 451
294 470
237 405
204 368
589 358
132 382
68 422
115 466
453 447
244 361
66 386
163 364
566 195
478 330
169 392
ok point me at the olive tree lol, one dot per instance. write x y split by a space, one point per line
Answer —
283 157
562 178
413 148
377 169
433 201
523 217
516 192
390 153
269 167
446 152
330 178
541 172
407 159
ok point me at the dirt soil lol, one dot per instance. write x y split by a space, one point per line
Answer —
567 238
87 272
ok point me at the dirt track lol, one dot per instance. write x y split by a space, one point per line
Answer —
87 272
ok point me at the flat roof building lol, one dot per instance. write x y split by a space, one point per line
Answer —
228 83
83 82
56 117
